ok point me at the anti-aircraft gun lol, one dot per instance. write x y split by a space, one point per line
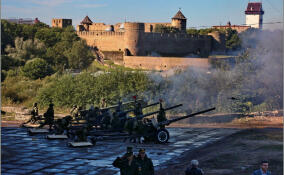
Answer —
154 131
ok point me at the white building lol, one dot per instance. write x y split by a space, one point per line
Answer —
254 15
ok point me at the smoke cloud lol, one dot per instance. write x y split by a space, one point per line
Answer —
256 79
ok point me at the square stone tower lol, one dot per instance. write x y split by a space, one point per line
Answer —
254 14
61 23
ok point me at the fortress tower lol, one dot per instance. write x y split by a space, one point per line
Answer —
133 38
179 21
86 23
254 14
61 23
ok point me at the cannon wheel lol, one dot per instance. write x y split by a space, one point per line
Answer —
162 136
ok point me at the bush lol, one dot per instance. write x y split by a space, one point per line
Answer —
19 89
37 68
87 89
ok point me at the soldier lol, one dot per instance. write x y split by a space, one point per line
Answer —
93 116
34 114
115 123
62 125
74 112
82 134
194 170
103 103
138 109
48 117
119 106
145 164
127 163
162 115
139 130
106 119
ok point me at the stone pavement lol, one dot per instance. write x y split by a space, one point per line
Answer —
24 154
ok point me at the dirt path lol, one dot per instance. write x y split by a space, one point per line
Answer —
238 154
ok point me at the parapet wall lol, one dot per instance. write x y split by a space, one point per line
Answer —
179 44
103 40
164 63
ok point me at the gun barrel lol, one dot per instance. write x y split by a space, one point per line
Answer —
155 112
131 110
114 106
153 104
187 116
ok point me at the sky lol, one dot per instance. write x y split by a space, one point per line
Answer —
199 13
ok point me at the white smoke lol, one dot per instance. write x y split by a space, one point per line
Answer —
199 89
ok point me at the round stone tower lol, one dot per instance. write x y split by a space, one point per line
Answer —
179 21
219 42
133 38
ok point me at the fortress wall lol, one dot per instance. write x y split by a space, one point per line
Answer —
103 40
179 44
164 63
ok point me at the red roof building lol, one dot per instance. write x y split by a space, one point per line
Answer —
254 8
238 28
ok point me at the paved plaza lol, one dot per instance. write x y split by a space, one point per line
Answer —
24 154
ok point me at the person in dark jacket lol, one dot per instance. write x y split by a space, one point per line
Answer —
48 117
194 170
127 163
263 169
145 164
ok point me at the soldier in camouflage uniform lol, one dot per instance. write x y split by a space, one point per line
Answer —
48 117
145 164
34 114
74 112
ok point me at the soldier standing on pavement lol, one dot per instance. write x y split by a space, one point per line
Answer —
127 163
194 170
145 164
48 117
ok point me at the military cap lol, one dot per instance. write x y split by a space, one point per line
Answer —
142 150
129 149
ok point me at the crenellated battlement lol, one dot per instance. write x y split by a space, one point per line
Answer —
94 34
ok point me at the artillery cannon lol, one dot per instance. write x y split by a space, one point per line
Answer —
155 131
155 112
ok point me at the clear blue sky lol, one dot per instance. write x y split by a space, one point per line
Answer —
198 12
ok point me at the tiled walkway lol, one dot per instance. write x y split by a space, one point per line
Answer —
24 154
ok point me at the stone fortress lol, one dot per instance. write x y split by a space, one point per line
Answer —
137 45
139 39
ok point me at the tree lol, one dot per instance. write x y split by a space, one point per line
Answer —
79 56
160 28
37 68
49 36
233 41
8 33
192 31
25 50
